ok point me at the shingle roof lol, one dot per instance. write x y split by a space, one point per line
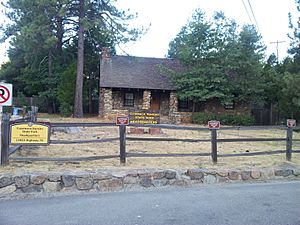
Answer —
138 72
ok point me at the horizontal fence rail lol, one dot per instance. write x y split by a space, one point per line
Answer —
66 159
83 141
6 150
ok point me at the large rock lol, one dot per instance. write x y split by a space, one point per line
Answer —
296 172
54 177
233 175
131 180
195 174
4 191
267 173
179 182
283 172
222 173
68 180
170 174
84 182
158 174
110 185
160 182
209 179
146 182
67 130
37 178
32 188
99 175
22 181
52 186
5 181
255 174
246 175
119 174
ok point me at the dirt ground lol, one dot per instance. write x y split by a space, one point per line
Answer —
112 148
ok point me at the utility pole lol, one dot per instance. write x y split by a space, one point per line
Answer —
277 48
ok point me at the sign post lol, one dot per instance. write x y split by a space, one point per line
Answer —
122 122
289 138
213 125
5 100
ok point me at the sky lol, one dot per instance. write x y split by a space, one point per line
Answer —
167 17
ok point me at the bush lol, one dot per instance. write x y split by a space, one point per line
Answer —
66 90
225 119
66 109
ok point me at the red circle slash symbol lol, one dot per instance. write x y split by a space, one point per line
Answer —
4 94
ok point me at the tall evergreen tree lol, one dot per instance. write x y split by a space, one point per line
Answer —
224 63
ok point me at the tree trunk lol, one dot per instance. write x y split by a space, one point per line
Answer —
59 35
271 113
90 96
78 110
50 74
50 63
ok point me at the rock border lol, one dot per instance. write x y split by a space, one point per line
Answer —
109 180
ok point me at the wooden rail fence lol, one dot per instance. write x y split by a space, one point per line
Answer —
7 150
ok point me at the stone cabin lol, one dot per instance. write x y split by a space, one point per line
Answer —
138 83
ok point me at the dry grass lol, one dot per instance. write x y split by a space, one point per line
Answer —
112 148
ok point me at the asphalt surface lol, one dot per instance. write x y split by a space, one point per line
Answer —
263 203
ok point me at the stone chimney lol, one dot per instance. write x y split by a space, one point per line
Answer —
105 53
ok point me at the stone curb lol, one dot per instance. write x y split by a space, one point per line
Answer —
108 180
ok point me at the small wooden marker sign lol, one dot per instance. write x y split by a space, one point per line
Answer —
122 120
214 124
291 123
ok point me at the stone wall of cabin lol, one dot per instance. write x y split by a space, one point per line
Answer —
164 103
105 101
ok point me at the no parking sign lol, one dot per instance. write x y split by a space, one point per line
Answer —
5 94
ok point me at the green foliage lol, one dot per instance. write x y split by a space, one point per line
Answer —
289 100
224 62
44 42
225 119
290 95
66 90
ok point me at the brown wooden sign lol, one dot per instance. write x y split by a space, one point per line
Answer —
122 120
214 124
144 117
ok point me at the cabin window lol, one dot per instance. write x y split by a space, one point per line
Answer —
129 100
183 105
229 105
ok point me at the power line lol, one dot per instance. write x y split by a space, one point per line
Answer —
253 15
247 11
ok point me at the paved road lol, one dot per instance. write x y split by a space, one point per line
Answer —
267 203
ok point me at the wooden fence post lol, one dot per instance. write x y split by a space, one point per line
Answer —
122 131
214 148
289 143
33 115
5 139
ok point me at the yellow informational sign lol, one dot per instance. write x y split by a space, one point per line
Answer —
144 117
30 133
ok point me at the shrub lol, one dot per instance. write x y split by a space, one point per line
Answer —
225 119
65 109
66 90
